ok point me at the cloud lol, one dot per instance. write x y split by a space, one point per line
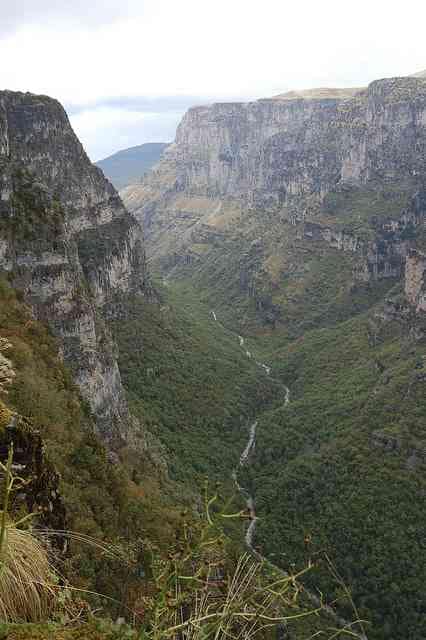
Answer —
134 56
105 129
142 103
16 13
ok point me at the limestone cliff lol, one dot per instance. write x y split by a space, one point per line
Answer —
344 167
268 151
301 221
68 244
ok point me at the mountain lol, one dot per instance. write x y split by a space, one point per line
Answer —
129 165
302 222
69 245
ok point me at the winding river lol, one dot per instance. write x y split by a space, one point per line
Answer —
244 458
250 503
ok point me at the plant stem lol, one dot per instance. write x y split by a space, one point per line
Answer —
6 501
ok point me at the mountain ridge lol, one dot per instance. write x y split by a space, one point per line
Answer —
129 165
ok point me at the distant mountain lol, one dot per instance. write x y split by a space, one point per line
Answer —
129 165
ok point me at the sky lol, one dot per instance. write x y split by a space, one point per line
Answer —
127 70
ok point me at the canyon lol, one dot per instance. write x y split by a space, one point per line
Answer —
135 327
301 220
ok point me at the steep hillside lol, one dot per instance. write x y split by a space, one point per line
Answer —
76 258
302 222
129 165
71 481
69 245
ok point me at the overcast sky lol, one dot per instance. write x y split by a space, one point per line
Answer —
126 70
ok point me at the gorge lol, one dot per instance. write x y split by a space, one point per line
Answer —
301 221
277 245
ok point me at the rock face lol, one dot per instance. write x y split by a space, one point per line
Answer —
385 255
415 280
281 159
68 244
41 491
268 151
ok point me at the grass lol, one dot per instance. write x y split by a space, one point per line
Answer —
27 593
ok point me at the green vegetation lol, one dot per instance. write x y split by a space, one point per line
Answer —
191 384
198 590
339 472
91 630
360 209
321 469
203 591
33 216
102 500
137 514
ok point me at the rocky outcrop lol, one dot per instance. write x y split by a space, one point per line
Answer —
69 245
39 493
415 280
385 255
7 372
282 157
271 151
413 456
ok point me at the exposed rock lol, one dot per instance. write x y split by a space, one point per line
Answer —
40 492
386 441
269 151
385 256
415 280
391 444
69 244
282 157
6 369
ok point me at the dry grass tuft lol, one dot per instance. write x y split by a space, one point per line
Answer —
27 593
27 579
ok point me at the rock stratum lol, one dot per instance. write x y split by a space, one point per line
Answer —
292 161
273 151
69 246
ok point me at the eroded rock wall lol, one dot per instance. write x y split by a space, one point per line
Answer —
69 245
269 151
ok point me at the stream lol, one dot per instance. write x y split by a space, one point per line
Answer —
244 458
251 506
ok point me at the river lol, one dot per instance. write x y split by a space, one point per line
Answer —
250 502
